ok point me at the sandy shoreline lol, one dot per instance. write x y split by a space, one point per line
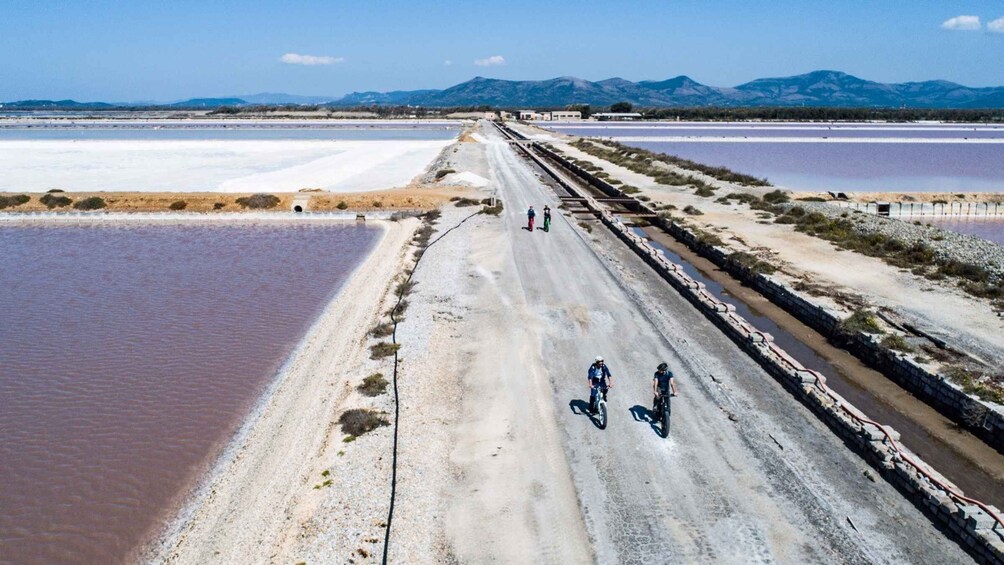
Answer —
232 515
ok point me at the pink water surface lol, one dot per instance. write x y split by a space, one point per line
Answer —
129 355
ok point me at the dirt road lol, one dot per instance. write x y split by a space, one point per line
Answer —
747 474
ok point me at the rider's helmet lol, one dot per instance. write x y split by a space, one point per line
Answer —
662 367
599 358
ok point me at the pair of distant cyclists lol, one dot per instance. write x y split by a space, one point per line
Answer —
531 214
600 380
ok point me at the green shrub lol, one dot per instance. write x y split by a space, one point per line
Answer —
898 343
692 211
52 190
861 321
382 330
751 263
464 202
705 191
92 203
383 349
373 385
258 201
811 199
12 201
178 205
52 201
493 210
708 238
218 205
776 197
359 421
342 205
378 204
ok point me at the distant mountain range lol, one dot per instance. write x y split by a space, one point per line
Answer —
818 88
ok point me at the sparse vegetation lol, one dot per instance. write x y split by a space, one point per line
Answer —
382 330
258 201
358 421
12 201
984 386
218 205
52 201
374 385
776 197
654 164
443 172
464 202
587 227
92 203
342 205
692 211
898 343
178 205
861 321
383 349
917 256
705 191
751 263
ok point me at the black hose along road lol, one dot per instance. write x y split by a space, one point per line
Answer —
720 488
397 405
530 148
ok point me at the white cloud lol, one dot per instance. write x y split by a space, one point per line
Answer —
996 26
447 63
493 61
962 23
310 60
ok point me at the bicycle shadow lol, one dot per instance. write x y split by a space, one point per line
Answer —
643 414
581 408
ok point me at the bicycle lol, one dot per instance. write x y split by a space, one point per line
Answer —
599 401
662 413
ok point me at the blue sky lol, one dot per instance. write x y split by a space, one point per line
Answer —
139 50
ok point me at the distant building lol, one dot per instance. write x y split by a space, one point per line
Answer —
617 116
563 116
505 115
529 115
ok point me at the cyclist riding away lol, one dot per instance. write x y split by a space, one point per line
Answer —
547 218
663 382
530 214
600 380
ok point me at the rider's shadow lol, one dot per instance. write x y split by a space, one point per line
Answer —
581 408
643 414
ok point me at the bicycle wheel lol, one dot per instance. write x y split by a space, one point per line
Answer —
601 413
665 417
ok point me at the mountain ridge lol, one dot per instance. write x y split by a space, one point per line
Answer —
821 88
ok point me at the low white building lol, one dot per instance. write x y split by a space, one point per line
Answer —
563 116
529 115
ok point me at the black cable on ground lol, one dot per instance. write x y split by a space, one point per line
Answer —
397 404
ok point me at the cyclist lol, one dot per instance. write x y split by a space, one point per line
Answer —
600 380
547 218
530 214
663 382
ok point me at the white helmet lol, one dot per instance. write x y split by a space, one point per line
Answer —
599 358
